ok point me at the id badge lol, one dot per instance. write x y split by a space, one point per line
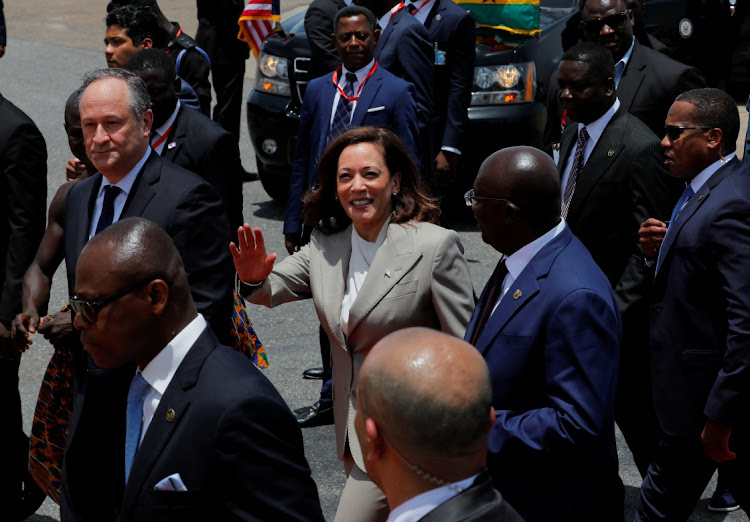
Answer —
439 56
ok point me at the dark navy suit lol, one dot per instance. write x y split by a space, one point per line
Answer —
385 101
552 346
405 49
700 343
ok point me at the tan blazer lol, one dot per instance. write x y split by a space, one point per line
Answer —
419 277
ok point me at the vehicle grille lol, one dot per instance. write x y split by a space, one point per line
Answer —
301 77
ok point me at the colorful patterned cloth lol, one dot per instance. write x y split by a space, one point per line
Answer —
49 430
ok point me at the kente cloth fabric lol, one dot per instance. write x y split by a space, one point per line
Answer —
244 338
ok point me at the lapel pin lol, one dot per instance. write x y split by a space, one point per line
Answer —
172 145
701 197
438 17
610 153
170 415
517 294
387 273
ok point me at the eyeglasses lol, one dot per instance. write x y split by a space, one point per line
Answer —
90 309
470 199
674 132
614 21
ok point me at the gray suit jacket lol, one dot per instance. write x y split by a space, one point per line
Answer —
419 277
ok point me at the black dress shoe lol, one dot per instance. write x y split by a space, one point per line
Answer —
313 373
315 415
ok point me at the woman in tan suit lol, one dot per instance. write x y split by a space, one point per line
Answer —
375 263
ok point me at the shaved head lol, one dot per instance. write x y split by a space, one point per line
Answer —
430 395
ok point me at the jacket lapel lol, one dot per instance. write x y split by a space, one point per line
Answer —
567 142
366 97
631 79
326 108
386 34
393 260
693 204
143 189
176 137
334 271
161 430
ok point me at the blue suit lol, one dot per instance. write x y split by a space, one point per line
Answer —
699 339
405 49
553 347
385 101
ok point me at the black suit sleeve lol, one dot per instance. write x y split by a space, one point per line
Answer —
461 62
319 27
24 187
222 168
3 34
194 69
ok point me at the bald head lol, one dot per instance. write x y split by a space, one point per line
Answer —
430 395
529 179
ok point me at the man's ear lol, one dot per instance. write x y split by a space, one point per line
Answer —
148 121
376 35
716 139
375 441
158 295
146 43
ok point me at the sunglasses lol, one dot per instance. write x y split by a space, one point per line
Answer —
470 199
674 132
614 21
90 309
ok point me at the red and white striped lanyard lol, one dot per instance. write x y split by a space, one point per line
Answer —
359 89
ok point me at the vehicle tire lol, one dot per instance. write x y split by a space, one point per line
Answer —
275 186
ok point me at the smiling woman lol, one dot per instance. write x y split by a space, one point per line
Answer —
375 263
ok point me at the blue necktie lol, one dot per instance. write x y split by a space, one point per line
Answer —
342 118
134 420
686 195
619 69
108 208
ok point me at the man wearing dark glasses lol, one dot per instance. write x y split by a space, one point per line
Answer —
699 335
613 177
202 434
647 81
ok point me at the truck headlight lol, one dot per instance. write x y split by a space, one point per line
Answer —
273 75
501 84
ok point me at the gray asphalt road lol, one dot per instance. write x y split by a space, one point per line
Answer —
46 57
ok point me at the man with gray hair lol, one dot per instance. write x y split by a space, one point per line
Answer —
131 181
424 414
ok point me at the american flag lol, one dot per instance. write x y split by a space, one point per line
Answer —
256 22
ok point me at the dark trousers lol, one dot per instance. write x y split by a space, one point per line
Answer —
326 394
680 473
14 447
227 80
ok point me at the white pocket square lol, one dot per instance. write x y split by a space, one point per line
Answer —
171 483
376 109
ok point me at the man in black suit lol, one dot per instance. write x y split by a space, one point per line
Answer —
423 418
187 138
700 313
3 33
324 57
116 122
217 34
207 437
647 81
451 31
616 181
23 200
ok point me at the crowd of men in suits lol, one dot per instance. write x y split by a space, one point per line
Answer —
619 294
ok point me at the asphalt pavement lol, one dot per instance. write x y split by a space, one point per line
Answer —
51 45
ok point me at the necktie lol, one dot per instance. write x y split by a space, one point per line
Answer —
108 208
570 188
134 420
686 195
619 69
411 8
490 298
343 115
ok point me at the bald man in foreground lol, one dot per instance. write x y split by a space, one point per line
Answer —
202 434
422 420
548 326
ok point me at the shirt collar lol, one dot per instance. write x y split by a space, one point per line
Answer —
159 372
698 181
126 183
167 124
361 73
625 59
517 261
596 127
386 18
416 507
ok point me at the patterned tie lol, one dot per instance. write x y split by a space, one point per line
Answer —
495 286
686 195
343 116
108 208
570 188
134 420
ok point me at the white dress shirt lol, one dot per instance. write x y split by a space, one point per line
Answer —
698 181
517 261
361 75
165 128
595 130
386 18
159 372
423 8
417 507
125 185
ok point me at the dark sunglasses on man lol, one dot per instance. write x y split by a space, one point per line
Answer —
90 309
674 132
614 21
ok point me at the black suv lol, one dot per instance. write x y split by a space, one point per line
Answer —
502 112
